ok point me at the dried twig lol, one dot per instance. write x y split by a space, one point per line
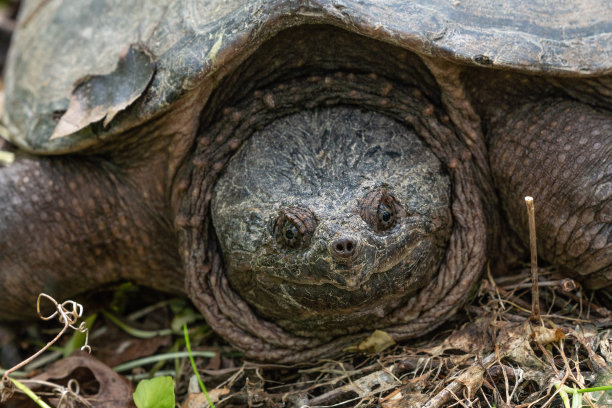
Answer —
67 317
366 386
454 387
535 301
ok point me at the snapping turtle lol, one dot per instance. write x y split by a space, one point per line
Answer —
306 171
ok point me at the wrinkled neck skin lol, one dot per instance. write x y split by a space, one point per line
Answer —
480 123
311 70
69 224
140 206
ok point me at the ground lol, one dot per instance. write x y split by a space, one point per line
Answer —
490 354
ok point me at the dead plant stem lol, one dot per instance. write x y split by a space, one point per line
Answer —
535 302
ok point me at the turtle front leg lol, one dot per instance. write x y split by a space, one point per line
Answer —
70 224
560 152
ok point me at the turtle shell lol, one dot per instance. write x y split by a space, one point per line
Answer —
82 72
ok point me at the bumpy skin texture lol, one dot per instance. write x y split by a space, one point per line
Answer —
279 81
74 223
222 76
565 162
299 219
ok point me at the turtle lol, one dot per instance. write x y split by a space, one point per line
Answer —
306 172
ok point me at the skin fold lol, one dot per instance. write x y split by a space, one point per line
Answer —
157 205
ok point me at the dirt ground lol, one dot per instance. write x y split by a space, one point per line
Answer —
493 353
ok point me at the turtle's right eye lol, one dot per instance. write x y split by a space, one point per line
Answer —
294 227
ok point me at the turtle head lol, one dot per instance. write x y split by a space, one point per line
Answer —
329 219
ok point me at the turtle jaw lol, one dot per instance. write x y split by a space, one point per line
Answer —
392 256
349 277
313 293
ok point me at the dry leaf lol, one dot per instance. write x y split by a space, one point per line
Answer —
472 338
472 379
112 389
544 335
198 400
400 398
513 342
119 349
376 342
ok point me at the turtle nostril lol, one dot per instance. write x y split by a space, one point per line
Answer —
344 247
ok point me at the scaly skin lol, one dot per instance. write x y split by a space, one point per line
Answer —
72 224
275 83
153 186
560 152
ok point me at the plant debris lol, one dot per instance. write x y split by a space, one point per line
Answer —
498 358
491 354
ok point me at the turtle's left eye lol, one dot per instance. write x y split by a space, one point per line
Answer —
291 234
294 227
380 210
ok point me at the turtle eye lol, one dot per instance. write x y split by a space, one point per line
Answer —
291 234
294 227
386 217
380 210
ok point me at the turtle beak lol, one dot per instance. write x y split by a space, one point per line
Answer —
350 279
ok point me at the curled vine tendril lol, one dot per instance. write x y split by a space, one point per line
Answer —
68 313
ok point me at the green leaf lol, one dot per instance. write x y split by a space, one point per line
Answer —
155 393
